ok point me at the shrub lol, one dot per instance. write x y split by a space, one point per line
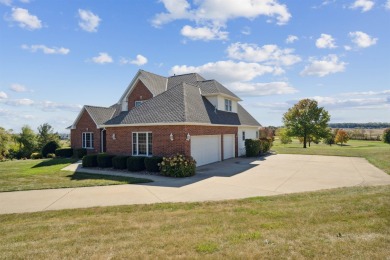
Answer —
49 147
151 163
252 147
80 153
90 160
50 155
119 162
64 152
104 160
386 136
178 166
135 163
36 156
265 144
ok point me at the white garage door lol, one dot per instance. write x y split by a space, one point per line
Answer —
228 146
206 149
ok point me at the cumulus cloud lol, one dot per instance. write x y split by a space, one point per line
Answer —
203 33
387 5
3 95
45 49
269 54
326 41
139 60
367 93
337 102
18 87
362 40
327 65
6 2
102 58
364 5
49 106
25 19
89 21
247 31
292 38
261 89
19 102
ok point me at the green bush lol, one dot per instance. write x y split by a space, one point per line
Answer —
104 160
252 147
178 166
90 160
64 152
119 162
50 155
80 153
386 135
265 144
50 147
151 163
135 163
36 156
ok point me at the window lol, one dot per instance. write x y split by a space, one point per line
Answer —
87 140
228 105
243 135
142 143
138 103
257 134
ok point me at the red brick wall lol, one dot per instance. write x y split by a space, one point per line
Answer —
85 124
139 93
162 145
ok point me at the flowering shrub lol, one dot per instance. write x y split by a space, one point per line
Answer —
178 166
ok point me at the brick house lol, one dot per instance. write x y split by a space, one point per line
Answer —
163 116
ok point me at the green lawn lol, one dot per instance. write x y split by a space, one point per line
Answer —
46 174
347 223
376 152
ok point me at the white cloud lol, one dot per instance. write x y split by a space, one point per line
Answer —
219 12
19 102
387 5
327 65
247 31
336 102
89 21
367 93
261 89
269 54
362 40
25 19
326 41
25 1
3 95
18 87
347 47
292 38
6 2
49 106
45 49
139 61
226 71
102 58
203 33
365 5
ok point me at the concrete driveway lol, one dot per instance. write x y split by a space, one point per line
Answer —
232 179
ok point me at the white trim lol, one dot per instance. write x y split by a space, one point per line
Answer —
147 143
92 141
223 95
178 123
79 116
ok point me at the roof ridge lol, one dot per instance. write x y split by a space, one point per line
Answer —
185 74
110 107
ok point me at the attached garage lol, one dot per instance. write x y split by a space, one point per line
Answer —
228 146
206 149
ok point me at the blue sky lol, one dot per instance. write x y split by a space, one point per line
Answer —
56 56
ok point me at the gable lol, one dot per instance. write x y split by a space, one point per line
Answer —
139 93
84 120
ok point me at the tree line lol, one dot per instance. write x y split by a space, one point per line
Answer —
360 125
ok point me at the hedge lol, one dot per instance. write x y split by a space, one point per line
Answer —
119 162
104 160
90 160
135 163
252 147
80 153
64 152
265 144
49 147
178 166
152 163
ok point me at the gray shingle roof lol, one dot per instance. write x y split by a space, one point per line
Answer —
246 118
214 87
191 78
155 83
100 114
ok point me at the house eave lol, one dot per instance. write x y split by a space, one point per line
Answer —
176 123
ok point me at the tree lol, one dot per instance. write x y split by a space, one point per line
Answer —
46 134
330 137
341 137
283 136
306 119
386 136
27 140
5 140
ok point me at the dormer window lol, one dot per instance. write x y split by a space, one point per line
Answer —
228 105
138 103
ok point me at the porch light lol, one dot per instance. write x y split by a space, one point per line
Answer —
113 136
171 137
188 137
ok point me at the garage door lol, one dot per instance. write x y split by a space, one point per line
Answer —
228 146
206 149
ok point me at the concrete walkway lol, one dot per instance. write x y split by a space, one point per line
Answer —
232 179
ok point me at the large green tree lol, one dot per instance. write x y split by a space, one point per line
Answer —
5 141
306 119
27 140
45 135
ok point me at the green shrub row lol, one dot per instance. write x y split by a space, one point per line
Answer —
178 166
255 147
119 162
64 152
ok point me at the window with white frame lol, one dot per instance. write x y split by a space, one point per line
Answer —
87 140
142 143
138 103
243 135
228 105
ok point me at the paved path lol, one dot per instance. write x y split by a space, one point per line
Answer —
231 179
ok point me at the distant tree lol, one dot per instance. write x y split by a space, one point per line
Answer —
330 137
46 134
386 136
341 137
306 119
5 141
27 140
283 136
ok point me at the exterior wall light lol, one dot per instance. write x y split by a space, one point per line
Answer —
188 137
113 137
171 137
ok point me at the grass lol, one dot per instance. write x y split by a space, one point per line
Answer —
47 174
376 152
347 223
